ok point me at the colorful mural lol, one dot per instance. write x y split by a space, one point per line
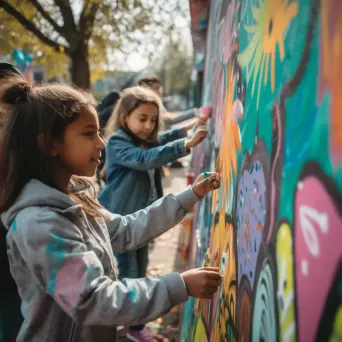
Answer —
272 74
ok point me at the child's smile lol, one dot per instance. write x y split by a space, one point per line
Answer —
79 151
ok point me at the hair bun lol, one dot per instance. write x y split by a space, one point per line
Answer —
17 93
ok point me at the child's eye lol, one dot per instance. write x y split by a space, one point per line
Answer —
89 134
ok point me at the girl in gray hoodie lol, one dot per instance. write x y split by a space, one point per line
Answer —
60 239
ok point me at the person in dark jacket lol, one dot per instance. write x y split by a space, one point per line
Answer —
10 314
105 110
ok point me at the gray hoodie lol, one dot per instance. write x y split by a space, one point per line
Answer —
63 265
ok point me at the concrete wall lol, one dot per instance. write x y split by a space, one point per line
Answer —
273 73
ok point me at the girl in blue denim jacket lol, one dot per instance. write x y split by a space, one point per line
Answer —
60 240
135 153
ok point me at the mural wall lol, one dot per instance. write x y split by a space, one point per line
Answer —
273 70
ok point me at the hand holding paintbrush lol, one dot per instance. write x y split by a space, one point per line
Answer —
206 182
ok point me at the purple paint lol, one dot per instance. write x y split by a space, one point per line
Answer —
250 219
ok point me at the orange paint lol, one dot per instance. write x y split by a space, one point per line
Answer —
330 72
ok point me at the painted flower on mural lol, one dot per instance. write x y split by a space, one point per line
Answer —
272 17
230 139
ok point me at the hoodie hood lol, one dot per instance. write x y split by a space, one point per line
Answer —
8 69
37 194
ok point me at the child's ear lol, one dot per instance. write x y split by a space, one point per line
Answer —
53 151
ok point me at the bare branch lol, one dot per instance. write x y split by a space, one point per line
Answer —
68 19
32 28
46 16
87 18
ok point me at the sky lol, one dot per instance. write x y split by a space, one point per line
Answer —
135 61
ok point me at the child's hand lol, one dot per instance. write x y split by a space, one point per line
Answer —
169 116
198 136
204 114
206 182
190 126
202 282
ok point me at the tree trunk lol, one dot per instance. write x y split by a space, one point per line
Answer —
80 73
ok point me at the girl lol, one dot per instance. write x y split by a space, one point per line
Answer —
135 154
61 241
10 315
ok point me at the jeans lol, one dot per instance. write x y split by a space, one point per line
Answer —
133 265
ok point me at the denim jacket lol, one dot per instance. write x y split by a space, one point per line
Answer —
128 183
62 262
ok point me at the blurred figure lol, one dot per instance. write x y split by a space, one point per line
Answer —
10 314
105 110
106 107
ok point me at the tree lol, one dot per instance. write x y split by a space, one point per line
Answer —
86 30
175 66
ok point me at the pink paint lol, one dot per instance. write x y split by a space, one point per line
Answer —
237 113
217 96
205 112
229 33
318 247
214 306
198 159
273 172
71 282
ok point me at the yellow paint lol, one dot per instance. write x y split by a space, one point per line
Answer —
331 68
286 290
218 237
200 334
336 335
230 140
272 17
228 286
214 201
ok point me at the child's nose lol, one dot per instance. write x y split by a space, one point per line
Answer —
149 125
101 144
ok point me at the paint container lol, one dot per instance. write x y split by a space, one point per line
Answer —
190 177
204 112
